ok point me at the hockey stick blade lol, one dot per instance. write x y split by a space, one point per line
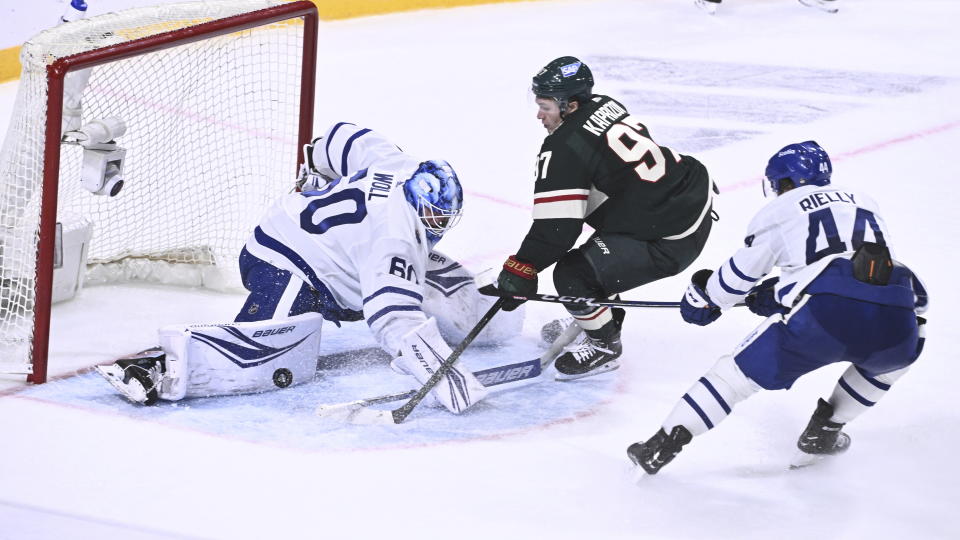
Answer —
565 338
346 411
520 371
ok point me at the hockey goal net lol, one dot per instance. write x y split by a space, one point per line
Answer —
216 98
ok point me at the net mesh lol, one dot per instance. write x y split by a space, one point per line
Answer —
211 139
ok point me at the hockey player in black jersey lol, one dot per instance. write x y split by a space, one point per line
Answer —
649 208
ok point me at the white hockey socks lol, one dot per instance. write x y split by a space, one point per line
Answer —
423 351
856 392
712 398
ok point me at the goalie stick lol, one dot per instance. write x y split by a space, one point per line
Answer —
494 376
362 415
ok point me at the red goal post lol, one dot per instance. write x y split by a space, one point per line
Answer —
217 100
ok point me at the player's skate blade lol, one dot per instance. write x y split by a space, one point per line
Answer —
707 6
605 368
829 7
803 459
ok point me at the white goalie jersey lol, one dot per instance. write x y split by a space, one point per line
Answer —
801 232
356 240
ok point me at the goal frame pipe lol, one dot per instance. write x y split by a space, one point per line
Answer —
57 72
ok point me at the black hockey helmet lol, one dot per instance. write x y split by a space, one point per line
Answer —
564 79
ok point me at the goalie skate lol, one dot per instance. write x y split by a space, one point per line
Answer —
137 376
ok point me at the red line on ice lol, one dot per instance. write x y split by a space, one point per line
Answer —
755 181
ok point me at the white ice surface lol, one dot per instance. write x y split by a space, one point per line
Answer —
877 85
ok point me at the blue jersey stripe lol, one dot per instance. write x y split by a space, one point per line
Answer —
698 410
346 149
715 394
740 274
853 393
268 241
330 139
728 288
389 309
783 292
394 290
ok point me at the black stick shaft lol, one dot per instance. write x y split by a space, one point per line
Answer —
402 412
490 290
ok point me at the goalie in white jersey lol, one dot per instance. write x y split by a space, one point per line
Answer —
840 297
353 245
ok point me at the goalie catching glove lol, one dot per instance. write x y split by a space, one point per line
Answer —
421 355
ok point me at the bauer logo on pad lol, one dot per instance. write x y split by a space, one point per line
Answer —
570 70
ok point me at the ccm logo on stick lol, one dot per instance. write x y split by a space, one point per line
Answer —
571 299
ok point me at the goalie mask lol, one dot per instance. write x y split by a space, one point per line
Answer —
804 164
434 192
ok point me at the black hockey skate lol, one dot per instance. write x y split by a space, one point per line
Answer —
137 376
589 356
821 438
659 449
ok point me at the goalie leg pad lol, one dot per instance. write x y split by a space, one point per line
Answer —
239 358
422 352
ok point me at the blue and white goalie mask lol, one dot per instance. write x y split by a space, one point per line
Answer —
805 164
434 192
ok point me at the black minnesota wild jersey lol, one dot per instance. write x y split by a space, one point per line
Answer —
601 167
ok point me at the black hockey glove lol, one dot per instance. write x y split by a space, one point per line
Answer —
696 307
518 278
762 300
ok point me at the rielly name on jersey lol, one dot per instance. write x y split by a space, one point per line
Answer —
600 166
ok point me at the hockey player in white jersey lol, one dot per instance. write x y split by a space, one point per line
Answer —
840 297
353 245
